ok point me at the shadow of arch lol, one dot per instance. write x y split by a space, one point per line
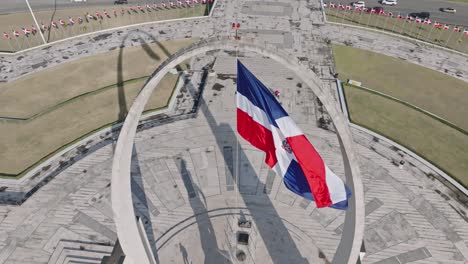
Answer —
126 225
204 217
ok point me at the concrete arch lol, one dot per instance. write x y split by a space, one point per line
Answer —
132 237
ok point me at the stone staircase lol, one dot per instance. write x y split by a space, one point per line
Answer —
68 252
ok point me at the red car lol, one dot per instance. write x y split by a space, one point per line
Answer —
378 9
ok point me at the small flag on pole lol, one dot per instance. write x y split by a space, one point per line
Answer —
26 31
6 35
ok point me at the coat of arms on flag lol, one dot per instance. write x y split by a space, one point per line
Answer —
262 121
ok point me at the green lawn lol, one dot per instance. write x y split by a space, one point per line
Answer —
24 19
444 146
430 90
74 99
446 38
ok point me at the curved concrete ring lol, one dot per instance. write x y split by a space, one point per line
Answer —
131 236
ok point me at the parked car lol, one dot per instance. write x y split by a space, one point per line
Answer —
378 9
448 10
389 2
422 15
120 2
360 4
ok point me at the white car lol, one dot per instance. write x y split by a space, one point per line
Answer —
360 4
389 2
448 10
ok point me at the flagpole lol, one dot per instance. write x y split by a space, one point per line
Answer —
403 27
466 36
419 31
9 44
35 21
440 34
386 20
360 15
430 31
448 39
411 29
368 19
394 24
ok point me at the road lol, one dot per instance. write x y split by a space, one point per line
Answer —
432 6
12 6
404 7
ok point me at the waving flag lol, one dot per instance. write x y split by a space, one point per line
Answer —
6 35
16 33
26 31
265 124
456 29
71 20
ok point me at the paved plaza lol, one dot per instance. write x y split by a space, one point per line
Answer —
193 178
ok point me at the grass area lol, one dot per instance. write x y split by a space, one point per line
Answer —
19 20
37 92
446 38
430 90
88 106
431 139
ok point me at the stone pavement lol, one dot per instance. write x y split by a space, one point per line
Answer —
183 172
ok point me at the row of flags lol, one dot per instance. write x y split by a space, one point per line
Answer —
139 9
399 16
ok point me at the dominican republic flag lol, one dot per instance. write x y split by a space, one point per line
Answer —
265 124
